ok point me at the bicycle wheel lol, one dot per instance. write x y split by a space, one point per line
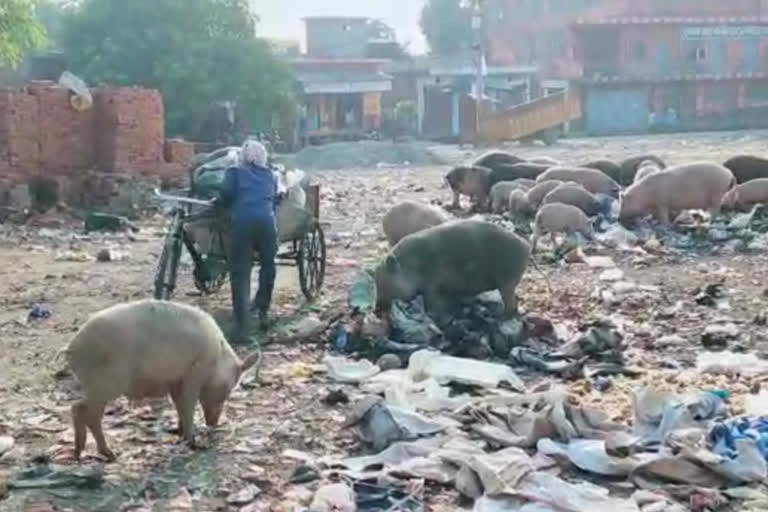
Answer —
168 265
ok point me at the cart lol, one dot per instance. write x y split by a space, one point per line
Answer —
201 228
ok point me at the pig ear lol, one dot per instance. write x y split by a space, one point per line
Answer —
250 360
391 263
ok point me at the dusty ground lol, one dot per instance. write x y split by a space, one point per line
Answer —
285 410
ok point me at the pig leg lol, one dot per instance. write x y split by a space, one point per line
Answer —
510 299
537 232
456 203
175 391
89 413
662 214
79 411
189 394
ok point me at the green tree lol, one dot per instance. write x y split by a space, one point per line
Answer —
196 52
447 25
20 31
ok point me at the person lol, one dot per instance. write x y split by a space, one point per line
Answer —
250 192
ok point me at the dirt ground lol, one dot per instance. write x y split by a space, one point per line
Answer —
285 411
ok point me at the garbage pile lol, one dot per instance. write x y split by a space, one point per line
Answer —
472 425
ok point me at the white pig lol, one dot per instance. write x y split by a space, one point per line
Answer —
147 349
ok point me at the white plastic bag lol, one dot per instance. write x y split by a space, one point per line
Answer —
82 99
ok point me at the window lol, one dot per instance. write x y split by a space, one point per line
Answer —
639 51
698 54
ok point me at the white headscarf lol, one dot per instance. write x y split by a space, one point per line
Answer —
253 152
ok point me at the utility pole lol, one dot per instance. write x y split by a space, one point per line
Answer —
477 25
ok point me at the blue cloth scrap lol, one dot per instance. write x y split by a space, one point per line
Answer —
723 435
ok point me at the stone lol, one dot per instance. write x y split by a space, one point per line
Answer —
389 362
508 334
244 496
717 336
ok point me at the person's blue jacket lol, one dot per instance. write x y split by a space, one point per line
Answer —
250 192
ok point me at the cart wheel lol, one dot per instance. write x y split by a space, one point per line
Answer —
167 267
311 260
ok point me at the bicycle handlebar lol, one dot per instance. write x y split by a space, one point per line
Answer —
179 199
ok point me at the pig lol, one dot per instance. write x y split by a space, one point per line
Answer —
593 180
493 159
684 187
145 349
574 195
746 195
516 172
500 193
461 258
559 218
609 167
469 181
646 169
543 160
536 195
518 201
409 217
746 167
631 165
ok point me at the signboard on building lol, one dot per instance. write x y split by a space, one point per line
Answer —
724 32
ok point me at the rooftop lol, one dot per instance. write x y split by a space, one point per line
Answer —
335 18
673 20
673 77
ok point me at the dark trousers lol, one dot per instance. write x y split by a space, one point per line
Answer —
260 237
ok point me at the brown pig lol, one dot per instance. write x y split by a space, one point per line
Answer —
631 165
536 195
493 159
518 202
559 218
609 167
523 170
696 185
575 195
593 180
409 217
746 195
500 192
747 167
148 349
469 181
457 259
543 160
646 168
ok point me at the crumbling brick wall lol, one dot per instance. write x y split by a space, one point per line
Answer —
131 130
42 137
66 136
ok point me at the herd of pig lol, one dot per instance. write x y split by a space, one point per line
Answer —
152 348
436 257
563 198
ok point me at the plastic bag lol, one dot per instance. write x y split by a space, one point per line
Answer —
82 99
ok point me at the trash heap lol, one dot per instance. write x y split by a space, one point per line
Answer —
473 426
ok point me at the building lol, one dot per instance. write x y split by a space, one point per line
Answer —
341 97
674 72
535 33
337 37
439 87
340 84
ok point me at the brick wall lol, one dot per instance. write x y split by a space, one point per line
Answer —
130 130
44 139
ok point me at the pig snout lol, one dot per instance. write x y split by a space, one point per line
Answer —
212 412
